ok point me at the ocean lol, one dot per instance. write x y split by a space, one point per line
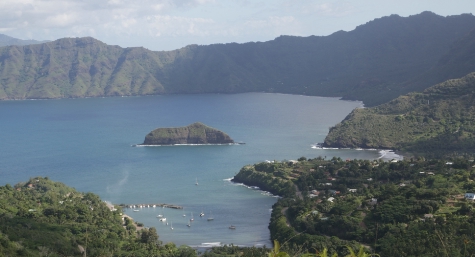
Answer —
88 144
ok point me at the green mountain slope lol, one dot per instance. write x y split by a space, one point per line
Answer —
371 63
439 120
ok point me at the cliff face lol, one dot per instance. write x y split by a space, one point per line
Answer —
196 133
374 63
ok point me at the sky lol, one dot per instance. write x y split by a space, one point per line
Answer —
172 24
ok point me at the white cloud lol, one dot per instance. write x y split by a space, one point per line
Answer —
183 22
166 25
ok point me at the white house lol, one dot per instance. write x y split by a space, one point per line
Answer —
470 196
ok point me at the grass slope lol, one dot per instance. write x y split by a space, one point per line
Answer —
439 120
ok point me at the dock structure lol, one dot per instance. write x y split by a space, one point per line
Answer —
153 205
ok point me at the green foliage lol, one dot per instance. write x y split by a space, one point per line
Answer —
419 207
46 218
440 121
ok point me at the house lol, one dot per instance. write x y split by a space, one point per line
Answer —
333 192
373 201
470 196
331 199
449 163
314 193
370 179
428 216
352 190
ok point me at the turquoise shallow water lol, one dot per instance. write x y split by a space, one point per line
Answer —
87 144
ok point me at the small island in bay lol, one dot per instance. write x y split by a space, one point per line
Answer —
196 133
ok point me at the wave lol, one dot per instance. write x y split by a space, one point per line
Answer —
389 155
211 244
140 145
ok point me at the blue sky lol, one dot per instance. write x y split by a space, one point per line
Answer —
172 24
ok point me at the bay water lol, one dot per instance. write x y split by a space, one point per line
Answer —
88 144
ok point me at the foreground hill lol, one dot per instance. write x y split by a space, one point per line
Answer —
440 120
46 218
374 63
407 208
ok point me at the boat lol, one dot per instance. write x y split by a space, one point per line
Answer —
191 217
136 210
189 224
202 214
163 219
232 227
184 215
196 181
210 216
171 225
159 216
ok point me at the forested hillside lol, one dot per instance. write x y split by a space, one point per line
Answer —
45 218
406 208
438 121
376 62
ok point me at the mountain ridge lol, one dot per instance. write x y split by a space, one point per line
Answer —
372 63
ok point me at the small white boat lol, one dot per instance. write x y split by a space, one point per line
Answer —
202 214
163 219
189 224
196 181
192 217
136 210
232 227
159 215
171 225
210 216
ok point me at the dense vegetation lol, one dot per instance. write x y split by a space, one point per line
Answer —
405 208
436 122
376 62
46 218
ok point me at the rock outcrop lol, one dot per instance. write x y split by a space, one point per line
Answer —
196 133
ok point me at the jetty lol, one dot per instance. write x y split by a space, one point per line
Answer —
153 205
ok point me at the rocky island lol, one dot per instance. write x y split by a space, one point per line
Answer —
196 133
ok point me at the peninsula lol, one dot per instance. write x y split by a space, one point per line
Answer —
196 133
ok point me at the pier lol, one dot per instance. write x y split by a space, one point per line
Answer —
153 205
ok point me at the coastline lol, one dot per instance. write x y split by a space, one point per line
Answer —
385 154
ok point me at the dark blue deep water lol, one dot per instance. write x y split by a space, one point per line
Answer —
86 144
